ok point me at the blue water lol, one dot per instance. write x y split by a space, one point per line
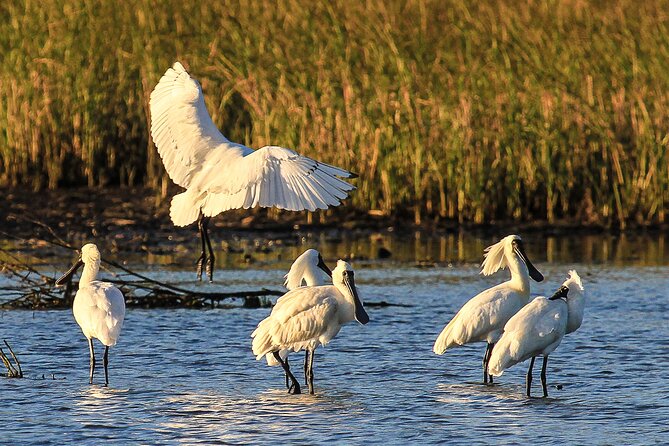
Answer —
188 376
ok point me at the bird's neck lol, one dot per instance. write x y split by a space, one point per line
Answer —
520 276
575 308
347 304
312 278
89 274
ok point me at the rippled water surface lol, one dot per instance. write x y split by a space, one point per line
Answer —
188 376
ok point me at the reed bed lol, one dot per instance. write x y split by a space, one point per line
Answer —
467 111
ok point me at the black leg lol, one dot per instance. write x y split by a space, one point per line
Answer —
92 363
543 376
306 366
210 260
105 362
295 386
203 255
288 366
528 380
487 367
311 372
486 361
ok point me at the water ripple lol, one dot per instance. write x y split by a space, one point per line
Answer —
188 377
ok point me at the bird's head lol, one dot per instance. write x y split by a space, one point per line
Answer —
343 276
571 288
499 255
89 255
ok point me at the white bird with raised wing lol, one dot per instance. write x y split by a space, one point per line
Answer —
99 307
219 175
483 317
538 328
306 270
307 317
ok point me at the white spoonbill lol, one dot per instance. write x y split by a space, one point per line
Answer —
219 175
307 317
538 328
307 269
99 307
483 317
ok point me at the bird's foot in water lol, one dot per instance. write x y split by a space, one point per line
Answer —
209 268
295 389
200 265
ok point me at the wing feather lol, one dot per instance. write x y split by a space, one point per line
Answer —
272 177
222 175
536 329
181 127
300 317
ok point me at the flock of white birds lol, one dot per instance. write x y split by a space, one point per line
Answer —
219 175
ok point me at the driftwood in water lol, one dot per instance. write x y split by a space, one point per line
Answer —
28 288
13 370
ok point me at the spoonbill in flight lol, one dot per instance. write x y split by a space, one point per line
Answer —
307 269
307 317
99 307
538 328
483 317
219 175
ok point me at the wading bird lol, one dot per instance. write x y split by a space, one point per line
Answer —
99 307
307 269
483 317
538 328
219 175
307 317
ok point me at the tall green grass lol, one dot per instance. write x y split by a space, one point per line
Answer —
472 111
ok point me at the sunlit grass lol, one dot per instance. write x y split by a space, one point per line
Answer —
474 112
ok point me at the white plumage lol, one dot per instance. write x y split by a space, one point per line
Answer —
220 175
99 307
483 317
307 269
308 317
538 329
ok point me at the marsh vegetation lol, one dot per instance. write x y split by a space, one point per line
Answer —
472 112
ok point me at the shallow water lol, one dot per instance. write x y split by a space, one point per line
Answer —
188 376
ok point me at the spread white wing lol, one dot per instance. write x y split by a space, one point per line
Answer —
182 128
222 175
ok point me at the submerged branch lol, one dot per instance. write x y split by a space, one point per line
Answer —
13 371
37 291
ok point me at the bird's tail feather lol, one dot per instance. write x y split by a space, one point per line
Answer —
262 342
501 358
184 209
444 341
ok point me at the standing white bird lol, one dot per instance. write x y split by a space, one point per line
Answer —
99 307
307 269
538 328
219 175
307 317
483 317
